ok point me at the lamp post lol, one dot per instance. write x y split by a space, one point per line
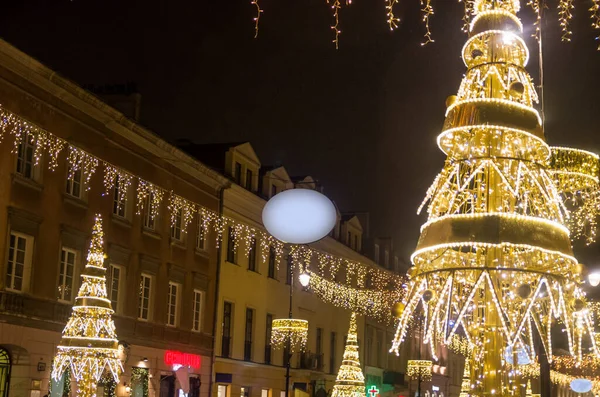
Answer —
297 216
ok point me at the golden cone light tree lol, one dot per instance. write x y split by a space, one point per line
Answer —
350 381
89 345
494 261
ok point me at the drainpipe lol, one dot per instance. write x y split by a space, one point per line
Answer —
216 305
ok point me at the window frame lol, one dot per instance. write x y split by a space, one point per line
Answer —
26 146
177 227
141 297
197 310
119 207
62 276
116 307
231 254
252 255
173 307
27 261
200 235
229 328
249 177
249 333
73 179
148 222
272 272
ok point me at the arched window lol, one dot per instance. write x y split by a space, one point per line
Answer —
4 372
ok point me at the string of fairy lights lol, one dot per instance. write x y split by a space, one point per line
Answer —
564 10
367 289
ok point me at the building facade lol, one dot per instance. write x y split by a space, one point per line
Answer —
254 289
65 157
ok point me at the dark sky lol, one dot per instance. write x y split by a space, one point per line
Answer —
362 120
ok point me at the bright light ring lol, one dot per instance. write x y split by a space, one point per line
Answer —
574 161
581 151
299 216
573 175
463 128
504 102
496 12
290 330
547 222
496 229
501 32
480 6
525 247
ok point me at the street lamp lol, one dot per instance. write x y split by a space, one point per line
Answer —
304 279
594 278
297 216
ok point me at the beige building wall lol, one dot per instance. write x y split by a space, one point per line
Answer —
38 206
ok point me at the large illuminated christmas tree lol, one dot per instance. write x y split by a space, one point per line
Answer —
89 345
494 262
350 381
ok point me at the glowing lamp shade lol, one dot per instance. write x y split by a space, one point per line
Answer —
581 385
594 279
304 279
299 216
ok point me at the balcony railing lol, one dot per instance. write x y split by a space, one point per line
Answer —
16 304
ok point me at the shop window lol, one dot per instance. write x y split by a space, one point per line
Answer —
167 386
194 386
222 391
139 382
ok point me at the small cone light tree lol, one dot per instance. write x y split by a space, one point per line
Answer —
89 344
350 381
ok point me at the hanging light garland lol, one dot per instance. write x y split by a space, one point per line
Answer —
290 330
419 369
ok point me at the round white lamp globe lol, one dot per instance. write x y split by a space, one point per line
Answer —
304 279
594 279
581 385
299 216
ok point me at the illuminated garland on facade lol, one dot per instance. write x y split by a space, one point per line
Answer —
350 380
288 329
89 344
558 378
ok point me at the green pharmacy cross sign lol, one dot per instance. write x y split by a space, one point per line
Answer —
373 391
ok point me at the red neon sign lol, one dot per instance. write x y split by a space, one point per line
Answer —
174 357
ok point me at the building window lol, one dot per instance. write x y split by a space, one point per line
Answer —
149 220
116 277
197 320
249 179
273 190
176 230
173 304
144 295
332 343
248 335
245 391
237 173
200 234
376 253
319 349
271 273
226 336
74 183
67 274
230 246
356 243
349 242
386 258
252 255
119 200
222 391
20 253
268 339
265 393
290 264
25 161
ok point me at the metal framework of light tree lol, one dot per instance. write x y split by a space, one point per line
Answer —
89 344
494 261
350 381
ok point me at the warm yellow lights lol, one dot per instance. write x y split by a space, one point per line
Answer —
494 264
289 330
419 369
350 381
89 345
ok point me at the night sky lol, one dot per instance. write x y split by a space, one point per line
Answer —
362 120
